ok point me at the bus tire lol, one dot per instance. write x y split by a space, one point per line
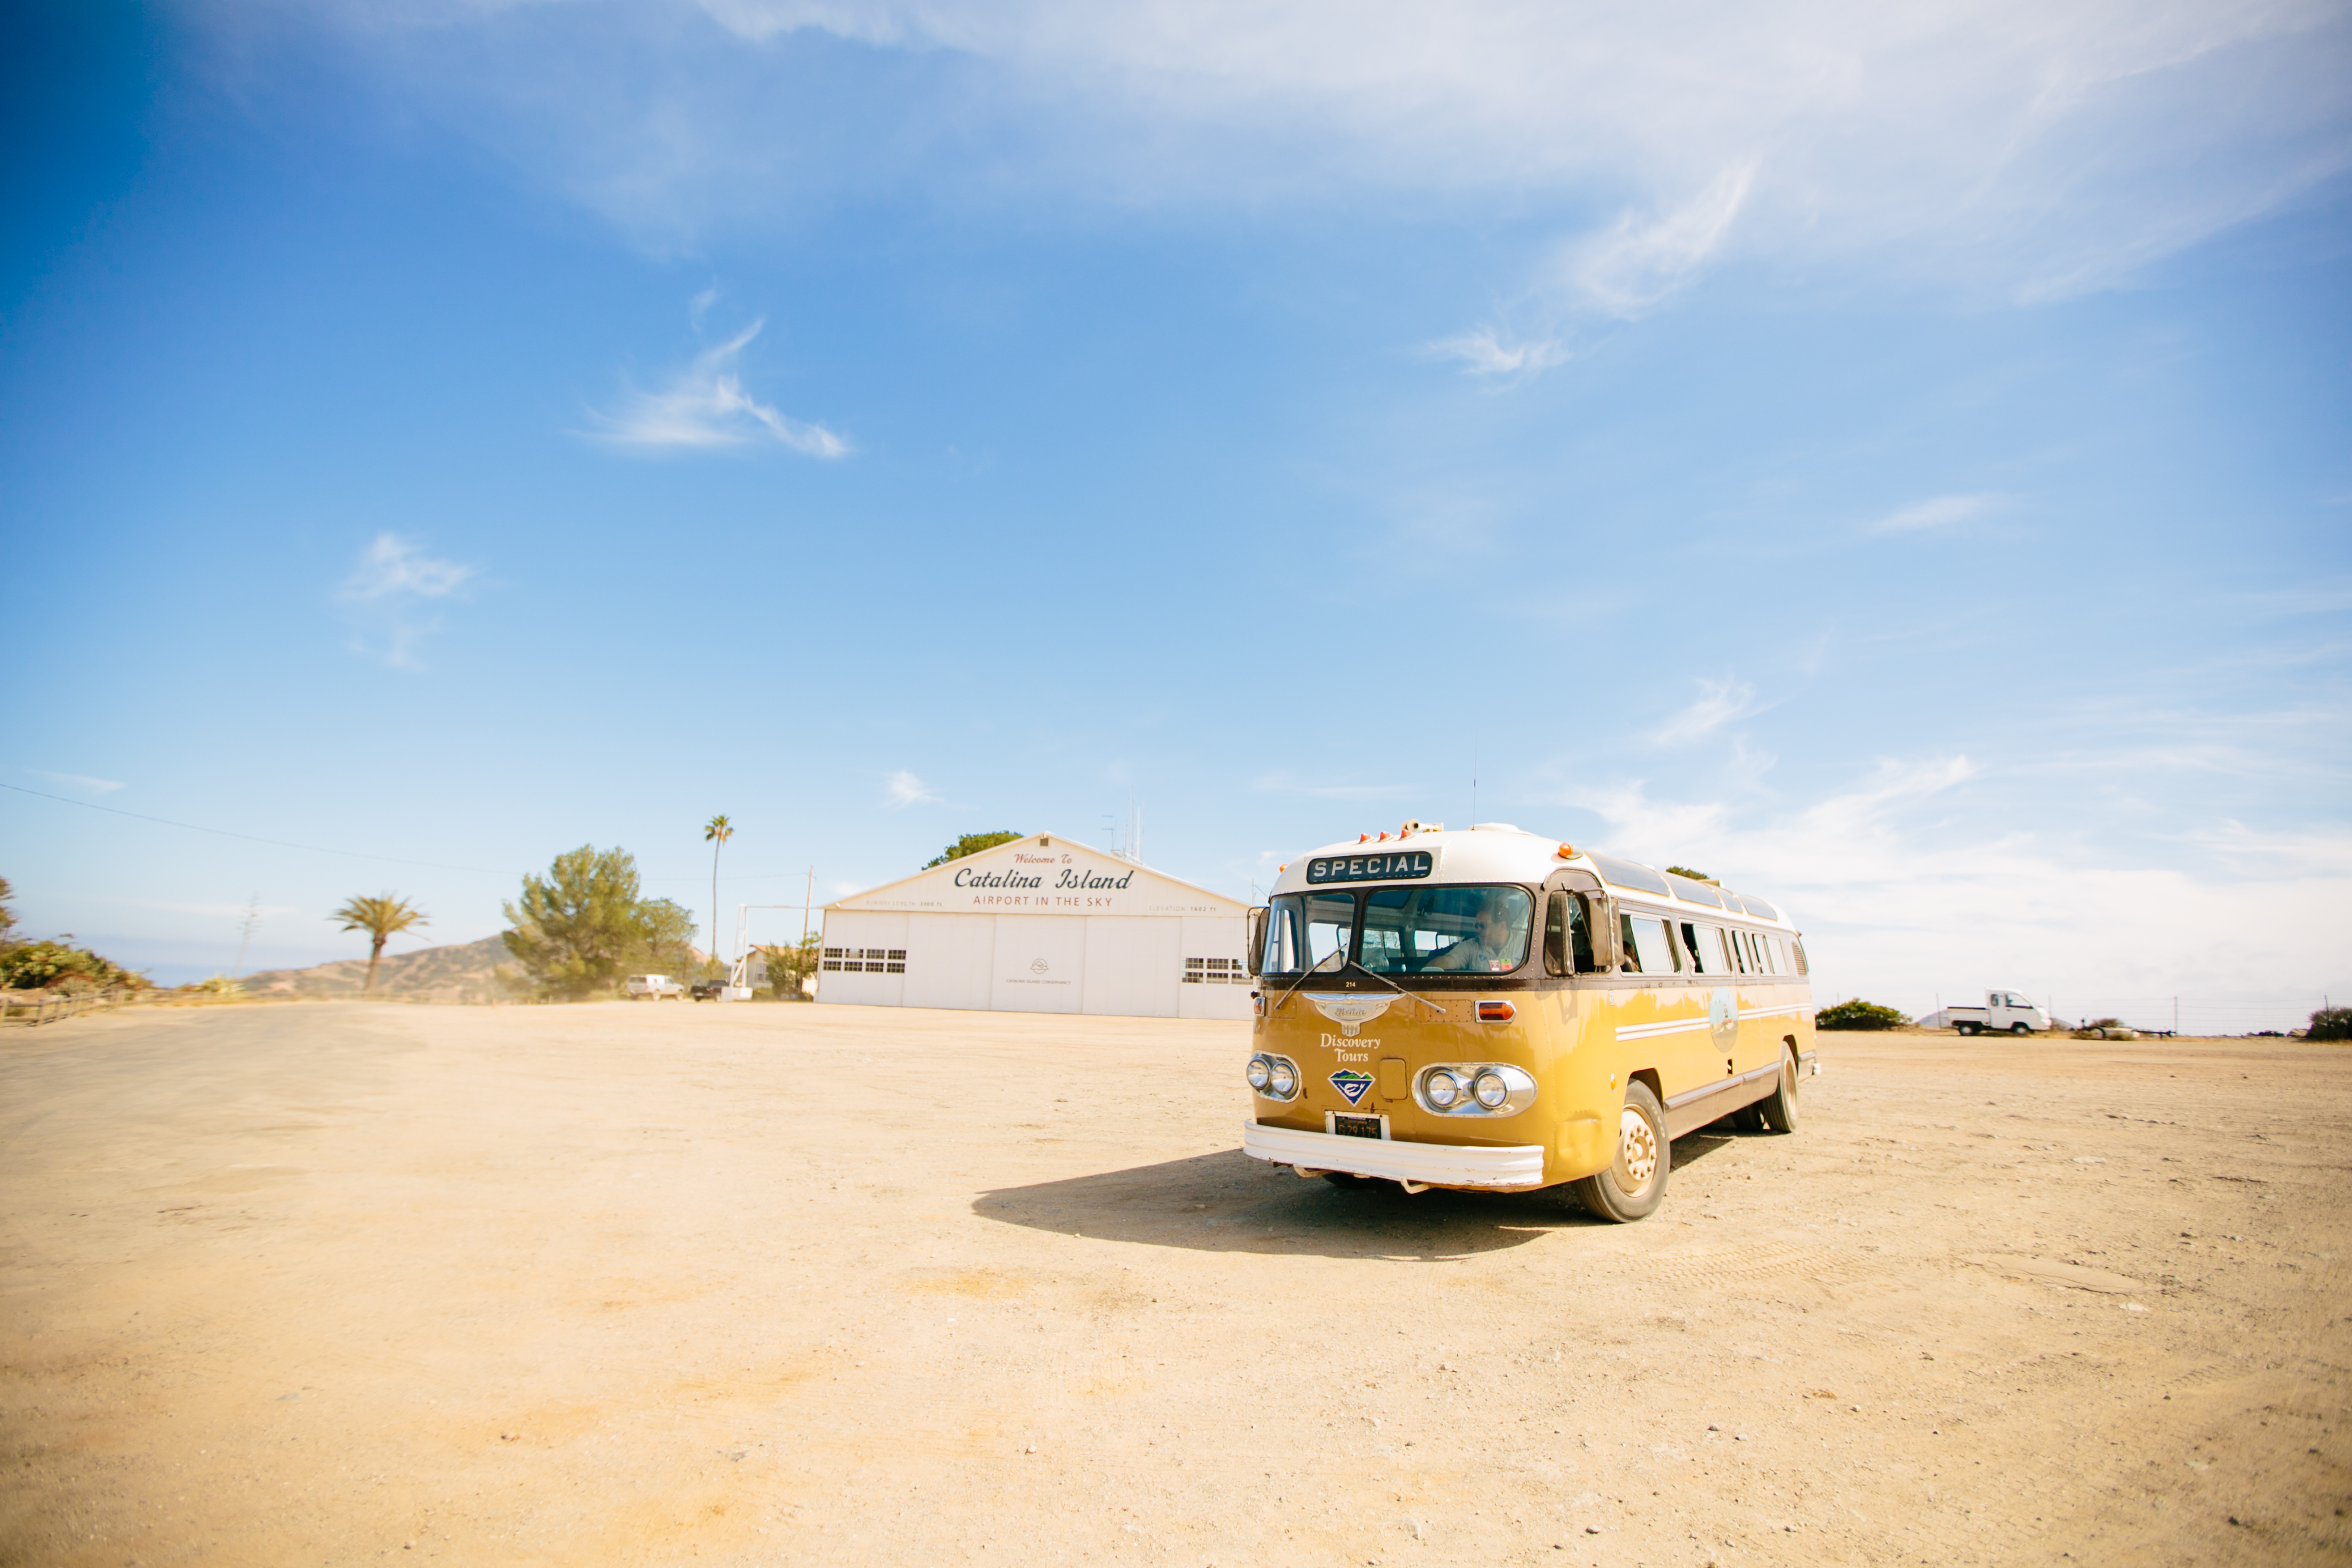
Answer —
1635 1183
1747 1119
1779 1107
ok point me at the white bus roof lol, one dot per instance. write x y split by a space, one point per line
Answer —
1493 852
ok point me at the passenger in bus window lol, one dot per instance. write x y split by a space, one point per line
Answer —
1700 963
1494 939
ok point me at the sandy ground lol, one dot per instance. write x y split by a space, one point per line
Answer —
337 1283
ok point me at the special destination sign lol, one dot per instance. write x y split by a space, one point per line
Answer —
1407 863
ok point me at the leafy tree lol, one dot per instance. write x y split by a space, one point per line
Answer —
668 946
788 966
1859 1014
1687 871
582 926
716 832
55 966
2331 1023
971 844
379 917
7 915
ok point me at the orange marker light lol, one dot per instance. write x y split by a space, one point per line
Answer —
1567 851
1496 1012
1363 838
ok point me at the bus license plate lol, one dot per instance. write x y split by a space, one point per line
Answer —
1348 1126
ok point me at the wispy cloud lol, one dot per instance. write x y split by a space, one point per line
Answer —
1940 512
75 781
1487 355
1720 702
2000 143
704 407
1288 784
903 789
385 598
1642 259
1900 898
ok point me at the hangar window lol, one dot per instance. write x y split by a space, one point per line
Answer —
865 960
1215 971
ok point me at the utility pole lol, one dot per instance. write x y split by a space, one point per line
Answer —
244 934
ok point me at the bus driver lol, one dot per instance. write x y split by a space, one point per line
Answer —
1494 944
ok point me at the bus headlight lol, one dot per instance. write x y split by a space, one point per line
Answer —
1474 1088
1259 1073
1282 1078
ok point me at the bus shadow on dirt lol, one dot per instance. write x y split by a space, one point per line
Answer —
1227 1202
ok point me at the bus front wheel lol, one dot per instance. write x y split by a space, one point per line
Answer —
1633 1186
1779 1107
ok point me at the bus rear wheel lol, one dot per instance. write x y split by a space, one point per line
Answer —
1635 1183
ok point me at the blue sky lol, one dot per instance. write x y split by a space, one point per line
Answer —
1896 464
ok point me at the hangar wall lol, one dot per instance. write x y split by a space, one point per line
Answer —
992 933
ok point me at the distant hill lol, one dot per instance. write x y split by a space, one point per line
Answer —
459 973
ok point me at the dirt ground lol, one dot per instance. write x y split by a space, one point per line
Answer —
333 1283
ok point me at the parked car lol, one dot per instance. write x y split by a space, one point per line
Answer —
2004 1011
708 990
655 987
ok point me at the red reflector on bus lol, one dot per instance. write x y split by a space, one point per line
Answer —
1496 1012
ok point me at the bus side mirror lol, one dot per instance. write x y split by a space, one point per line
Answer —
1256 950
1608 950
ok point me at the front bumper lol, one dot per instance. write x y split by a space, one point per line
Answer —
1517 1165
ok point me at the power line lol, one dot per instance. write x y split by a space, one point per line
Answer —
252 838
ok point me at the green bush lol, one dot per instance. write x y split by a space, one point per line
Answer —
2331 1023
42 965
1859 1014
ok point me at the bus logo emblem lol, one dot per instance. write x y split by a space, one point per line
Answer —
1352 1084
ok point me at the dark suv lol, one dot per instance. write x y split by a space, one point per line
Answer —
705 990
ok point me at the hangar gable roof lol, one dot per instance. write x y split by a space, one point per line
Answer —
1044 874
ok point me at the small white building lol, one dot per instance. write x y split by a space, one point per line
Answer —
1043 924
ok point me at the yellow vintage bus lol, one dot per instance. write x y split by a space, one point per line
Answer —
1495 1011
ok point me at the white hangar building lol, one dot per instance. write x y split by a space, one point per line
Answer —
1040 925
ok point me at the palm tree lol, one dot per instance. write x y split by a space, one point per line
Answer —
716 832
379 917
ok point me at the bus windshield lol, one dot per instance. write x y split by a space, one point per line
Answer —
1406 930
1305 928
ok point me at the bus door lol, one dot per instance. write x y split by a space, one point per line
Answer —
1670 1015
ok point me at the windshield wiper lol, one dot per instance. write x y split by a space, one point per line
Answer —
1397 988
1345 966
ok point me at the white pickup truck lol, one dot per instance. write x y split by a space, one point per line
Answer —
653 988
2004 1011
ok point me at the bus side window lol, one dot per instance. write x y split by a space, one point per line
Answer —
1579 934
1630 955
1646 945
1780 955
1730 940
1799 948
1699 965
